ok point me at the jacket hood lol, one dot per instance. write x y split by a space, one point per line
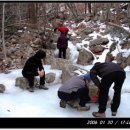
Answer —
40 54
97 63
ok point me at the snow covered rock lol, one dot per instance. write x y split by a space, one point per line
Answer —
50 77
23 83
2 88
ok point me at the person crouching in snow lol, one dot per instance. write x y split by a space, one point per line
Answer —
33 67
74 89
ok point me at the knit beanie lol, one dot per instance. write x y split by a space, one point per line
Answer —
87 76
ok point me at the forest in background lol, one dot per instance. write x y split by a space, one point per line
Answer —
40 18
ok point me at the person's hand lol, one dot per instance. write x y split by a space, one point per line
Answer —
98 92
87 82
40 73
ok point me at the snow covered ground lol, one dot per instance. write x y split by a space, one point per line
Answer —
15 102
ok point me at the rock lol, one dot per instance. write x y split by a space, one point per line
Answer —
50 77
23 83
85 57
2 88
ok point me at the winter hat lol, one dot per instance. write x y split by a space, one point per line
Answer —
87 76
97 63
40 54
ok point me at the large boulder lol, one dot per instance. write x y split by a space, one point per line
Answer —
99 41
85 57
66 66
121 59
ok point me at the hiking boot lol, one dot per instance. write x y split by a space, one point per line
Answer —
43 87
85 108
73 103
31 89
100 115
63 104
114 113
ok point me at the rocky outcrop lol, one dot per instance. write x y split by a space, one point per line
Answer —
98 41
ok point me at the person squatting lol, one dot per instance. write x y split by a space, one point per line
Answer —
34 67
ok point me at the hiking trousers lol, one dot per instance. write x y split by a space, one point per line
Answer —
30 77
82 94
117 78
62 51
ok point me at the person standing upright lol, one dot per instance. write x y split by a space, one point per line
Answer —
62 45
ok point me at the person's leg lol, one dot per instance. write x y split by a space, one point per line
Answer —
30 77
64 98
120 77
106 83
60 51
83 95
64 53
42 82
42 79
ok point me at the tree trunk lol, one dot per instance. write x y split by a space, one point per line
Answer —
89 8
3 34
32 14
128 16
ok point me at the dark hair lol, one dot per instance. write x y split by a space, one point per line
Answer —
40 54
97 63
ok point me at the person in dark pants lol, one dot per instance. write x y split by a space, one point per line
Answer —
62 45
33 67
73 89
109 73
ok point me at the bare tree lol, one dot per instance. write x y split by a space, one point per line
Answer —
89 8
73 10
3 34
129 14
32 14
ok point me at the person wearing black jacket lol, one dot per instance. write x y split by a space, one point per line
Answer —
109 73
62 45
33 67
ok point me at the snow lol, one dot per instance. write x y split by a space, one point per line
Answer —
16 102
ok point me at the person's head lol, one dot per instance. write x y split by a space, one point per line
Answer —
87 77
63 34
61 24
40 54
97 63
